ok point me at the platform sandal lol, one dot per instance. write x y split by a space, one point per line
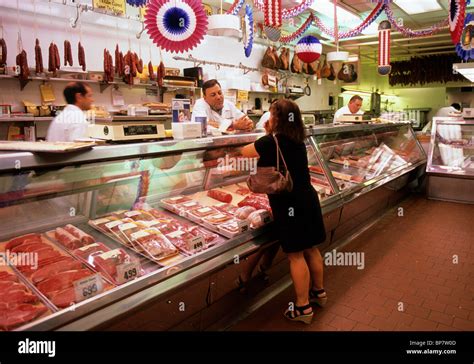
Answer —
318 296
298 314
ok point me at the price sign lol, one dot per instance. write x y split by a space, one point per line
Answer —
266 218
243 225
128 271
113 6
242 95
88 287
196 243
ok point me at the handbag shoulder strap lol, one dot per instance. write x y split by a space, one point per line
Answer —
279 152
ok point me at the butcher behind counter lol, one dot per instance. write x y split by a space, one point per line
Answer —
222 115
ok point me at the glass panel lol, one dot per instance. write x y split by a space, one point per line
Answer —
318 178
453 150
356 157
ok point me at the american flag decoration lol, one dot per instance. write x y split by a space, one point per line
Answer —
273 13
384 67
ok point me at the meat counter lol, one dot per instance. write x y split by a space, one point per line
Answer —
149 235
450 165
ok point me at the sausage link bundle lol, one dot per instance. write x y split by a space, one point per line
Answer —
22 62
161 74
67 53
81 56
38 58
57 58
108 66
3 52
150 71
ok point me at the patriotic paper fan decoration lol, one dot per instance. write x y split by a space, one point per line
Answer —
248 30
176 25
465 47
457 12
273 34
137 3
384 67
308 49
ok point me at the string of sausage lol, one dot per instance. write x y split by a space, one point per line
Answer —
3 52
38 58
81 56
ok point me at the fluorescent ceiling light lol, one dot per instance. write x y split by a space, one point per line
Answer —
326 8
418 6
466 69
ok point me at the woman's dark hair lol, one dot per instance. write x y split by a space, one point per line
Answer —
72 89
209 84
286 116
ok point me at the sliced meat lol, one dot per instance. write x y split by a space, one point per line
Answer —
67 239
31 246
85 239
18 296
5 276
64 298
86 251
62 280
53 269
18 315
7 286
21 239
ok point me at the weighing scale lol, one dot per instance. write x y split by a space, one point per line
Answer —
352 118
127 128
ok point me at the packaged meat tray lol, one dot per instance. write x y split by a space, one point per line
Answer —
117 265
153 243
233 227
72 237
135 215
199 214
171 202
257 201
18 304
55 272
182 208
192 239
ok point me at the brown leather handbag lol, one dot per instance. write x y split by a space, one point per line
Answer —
270 180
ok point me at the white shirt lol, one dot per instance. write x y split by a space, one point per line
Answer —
261 123
69 125
225 118
447 111
343 111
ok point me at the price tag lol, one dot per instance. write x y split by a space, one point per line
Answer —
243 225
88 287
132 213
113 224
196 243
128 271
265 217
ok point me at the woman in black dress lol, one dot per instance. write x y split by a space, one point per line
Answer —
297 214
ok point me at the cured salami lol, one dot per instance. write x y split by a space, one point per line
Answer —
220 196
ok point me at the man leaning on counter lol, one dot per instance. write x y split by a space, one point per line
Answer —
221 114
353 107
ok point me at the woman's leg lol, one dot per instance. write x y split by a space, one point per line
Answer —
300 275
315 263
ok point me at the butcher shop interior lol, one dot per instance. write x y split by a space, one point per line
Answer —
128 197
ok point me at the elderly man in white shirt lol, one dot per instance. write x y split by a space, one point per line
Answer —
71 123
221 115
355 103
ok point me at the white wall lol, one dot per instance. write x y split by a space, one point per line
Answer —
54 26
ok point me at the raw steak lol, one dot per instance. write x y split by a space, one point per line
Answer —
55 268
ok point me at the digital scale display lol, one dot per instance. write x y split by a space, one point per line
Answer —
132 130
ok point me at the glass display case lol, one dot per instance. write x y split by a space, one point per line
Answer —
105 231
451 159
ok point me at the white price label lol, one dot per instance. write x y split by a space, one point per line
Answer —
113 224
265 217
243 225
132 213
128 271
88 287
196 243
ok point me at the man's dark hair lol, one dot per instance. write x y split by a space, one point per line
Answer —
72 89
456 106
209 84
355 98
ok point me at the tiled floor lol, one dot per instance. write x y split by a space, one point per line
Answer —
418 275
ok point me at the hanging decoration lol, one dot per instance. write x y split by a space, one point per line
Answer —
286 13
248 30
465 47
298 33
407 32
273 34
137 3
224 24
177 25
337 58
235 7
457 12
308 49
384 67
357 30
272 13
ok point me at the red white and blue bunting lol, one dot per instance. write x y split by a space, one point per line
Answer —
236 6
176 25
137 3
286 13
456 14
248 30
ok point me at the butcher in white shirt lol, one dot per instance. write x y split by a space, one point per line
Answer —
355 103
71 123
221 115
